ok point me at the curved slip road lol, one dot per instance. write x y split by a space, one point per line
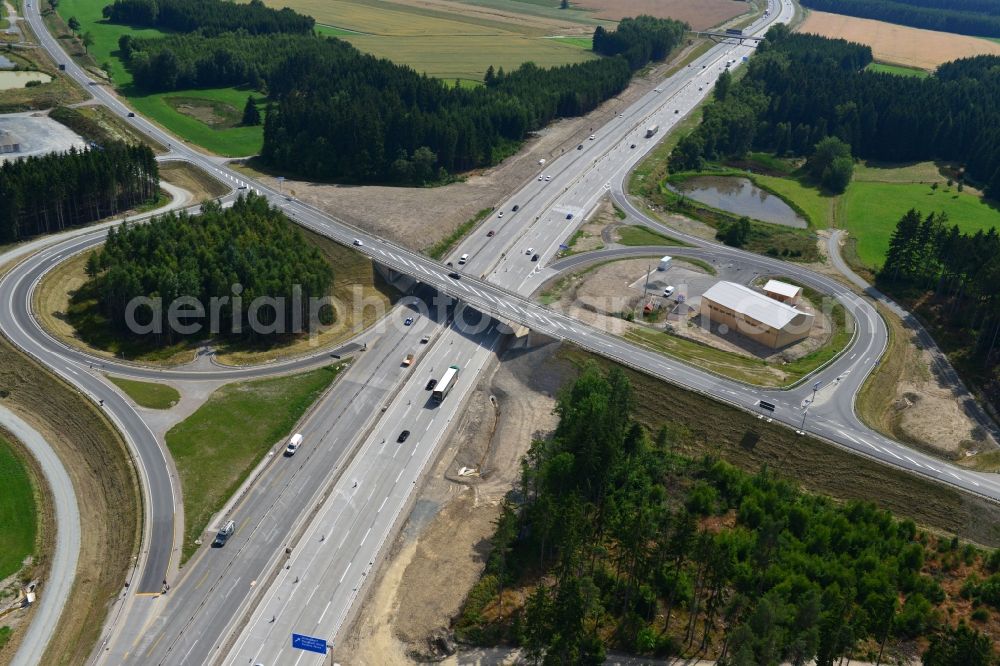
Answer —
55 589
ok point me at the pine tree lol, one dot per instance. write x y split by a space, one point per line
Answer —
251 116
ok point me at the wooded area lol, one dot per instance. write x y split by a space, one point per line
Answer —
49 193
967 17
209 18
611 540
235 254
338 114
962 272
801 89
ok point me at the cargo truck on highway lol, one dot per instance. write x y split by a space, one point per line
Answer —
734 31
651 130
444 385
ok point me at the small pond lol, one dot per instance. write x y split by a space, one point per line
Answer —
741 197
10 80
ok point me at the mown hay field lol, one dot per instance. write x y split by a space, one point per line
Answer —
446 44
897 44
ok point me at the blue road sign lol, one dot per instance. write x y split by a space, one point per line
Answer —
310 643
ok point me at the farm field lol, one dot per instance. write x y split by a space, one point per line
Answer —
700 15
897 44
449 39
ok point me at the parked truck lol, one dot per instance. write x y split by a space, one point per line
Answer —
651 130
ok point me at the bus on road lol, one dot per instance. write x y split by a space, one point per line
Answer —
444 385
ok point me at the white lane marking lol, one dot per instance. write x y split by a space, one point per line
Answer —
345 571
398 476
323 614
365 537
914 461
889 451
848 436
868 444
382 506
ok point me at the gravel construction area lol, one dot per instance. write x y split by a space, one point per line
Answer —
38 134
443 547
420 217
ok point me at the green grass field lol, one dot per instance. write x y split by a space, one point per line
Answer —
148 394
872 209
897 69
815 204
229 142
217 446
18 513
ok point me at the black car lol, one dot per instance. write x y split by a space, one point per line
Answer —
454 276
430 385
131 114
514 209
534 257
402 436
632 146
569 216
580 147
223 536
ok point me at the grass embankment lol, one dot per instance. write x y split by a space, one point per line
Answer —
222 138
193 179
444 246
704 426
220 444
107 492
147 394
99 124
18 510
635 236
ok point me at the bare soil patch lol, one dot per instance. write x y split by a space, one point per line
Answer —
420 217
526 23
699 15
906 400
436 560
897 44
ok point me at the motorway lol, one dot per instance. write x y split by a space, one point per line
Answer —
200 619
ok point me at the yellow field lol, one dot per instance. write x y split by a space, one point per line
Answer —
437 38
898 44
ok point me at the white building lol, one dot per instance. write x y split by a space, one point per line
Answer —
784 292
754 315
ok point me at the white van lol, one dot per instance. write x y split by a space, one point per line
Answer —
464 258
293 444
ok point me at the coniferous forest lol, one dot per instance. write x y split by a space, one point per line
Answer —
45 194
966 17
927 255
612 541
338 114
801 89
204 256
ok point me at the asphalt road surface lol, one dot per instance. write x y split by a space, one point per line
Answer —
576 181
